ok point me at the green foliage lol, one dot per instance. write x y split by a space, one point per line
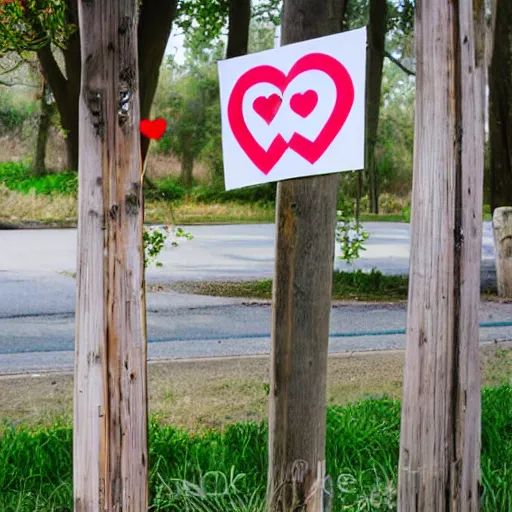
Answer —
267 12
184 98
396 131
168 189
154 242
214 471
154 239
370 285
29 25
206 16
265 193
357 285
13 114
351 236
406 211
17 176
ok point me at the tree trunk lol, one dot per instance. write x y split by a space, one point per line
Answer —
238 30
110 400
301 309
500 108
73 72
43 131
69 120
187 161
374 62
440 430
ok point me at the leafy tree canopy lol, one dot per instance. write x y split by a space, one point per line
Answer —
29 25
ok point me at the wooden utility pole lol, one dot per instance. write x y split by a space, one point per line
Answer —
440 433
110 405
305 223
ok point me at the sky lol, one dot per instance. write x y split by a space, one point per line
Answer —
175 45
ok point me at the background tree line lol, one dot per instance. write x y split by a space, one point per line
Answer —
44 35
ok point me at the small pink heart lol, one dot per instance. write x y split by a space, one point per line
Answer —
267 107
153 129
304 103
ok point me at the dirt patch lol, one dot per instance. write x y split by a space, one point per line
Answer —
210 393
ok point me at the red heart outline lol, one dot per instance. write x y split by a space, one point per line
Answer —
309 150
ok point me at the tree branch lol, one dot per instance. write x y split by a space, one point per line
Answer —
399 64
53 74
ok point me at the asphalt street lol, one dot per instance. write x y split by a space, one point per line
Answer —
37 297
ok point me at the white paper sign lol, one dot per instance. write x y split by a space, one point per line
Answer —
294 111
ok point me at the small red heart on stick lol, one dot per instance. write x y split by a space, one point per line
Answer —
153 129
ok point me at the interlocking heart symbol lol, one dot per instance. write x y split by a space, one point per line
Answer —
302 104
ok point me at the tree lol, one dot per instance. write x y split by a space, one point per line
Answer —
55 23
375 59
43 131
238 31
390 23
500 108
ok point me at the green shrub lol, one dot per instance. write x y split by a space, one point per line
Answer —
14 114
170 190
265 193
16 176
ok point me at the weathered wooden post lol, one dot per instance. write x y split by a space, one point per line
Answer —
502 227
110 406
305 223
440 433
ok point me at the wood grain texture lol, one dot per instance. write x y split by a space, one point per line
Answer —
306 219
440 432
502 227
110 405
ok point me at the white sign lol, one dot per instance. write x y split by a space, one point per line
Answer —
294 111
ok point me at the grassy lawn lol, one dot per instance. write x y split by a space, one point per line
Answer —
208 439
357 285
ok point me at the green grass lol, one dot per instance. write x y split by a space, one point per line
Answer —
225 471
356 285
382 217
16 176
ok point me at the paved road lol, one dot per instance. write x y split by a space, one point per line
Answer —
37 302
217 252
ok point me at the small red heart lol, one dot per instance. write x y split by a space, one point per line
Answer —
267 107
153 129
304 103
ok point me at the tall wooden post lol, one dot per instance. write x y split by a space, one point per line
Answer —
110 406
440 433
306 219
